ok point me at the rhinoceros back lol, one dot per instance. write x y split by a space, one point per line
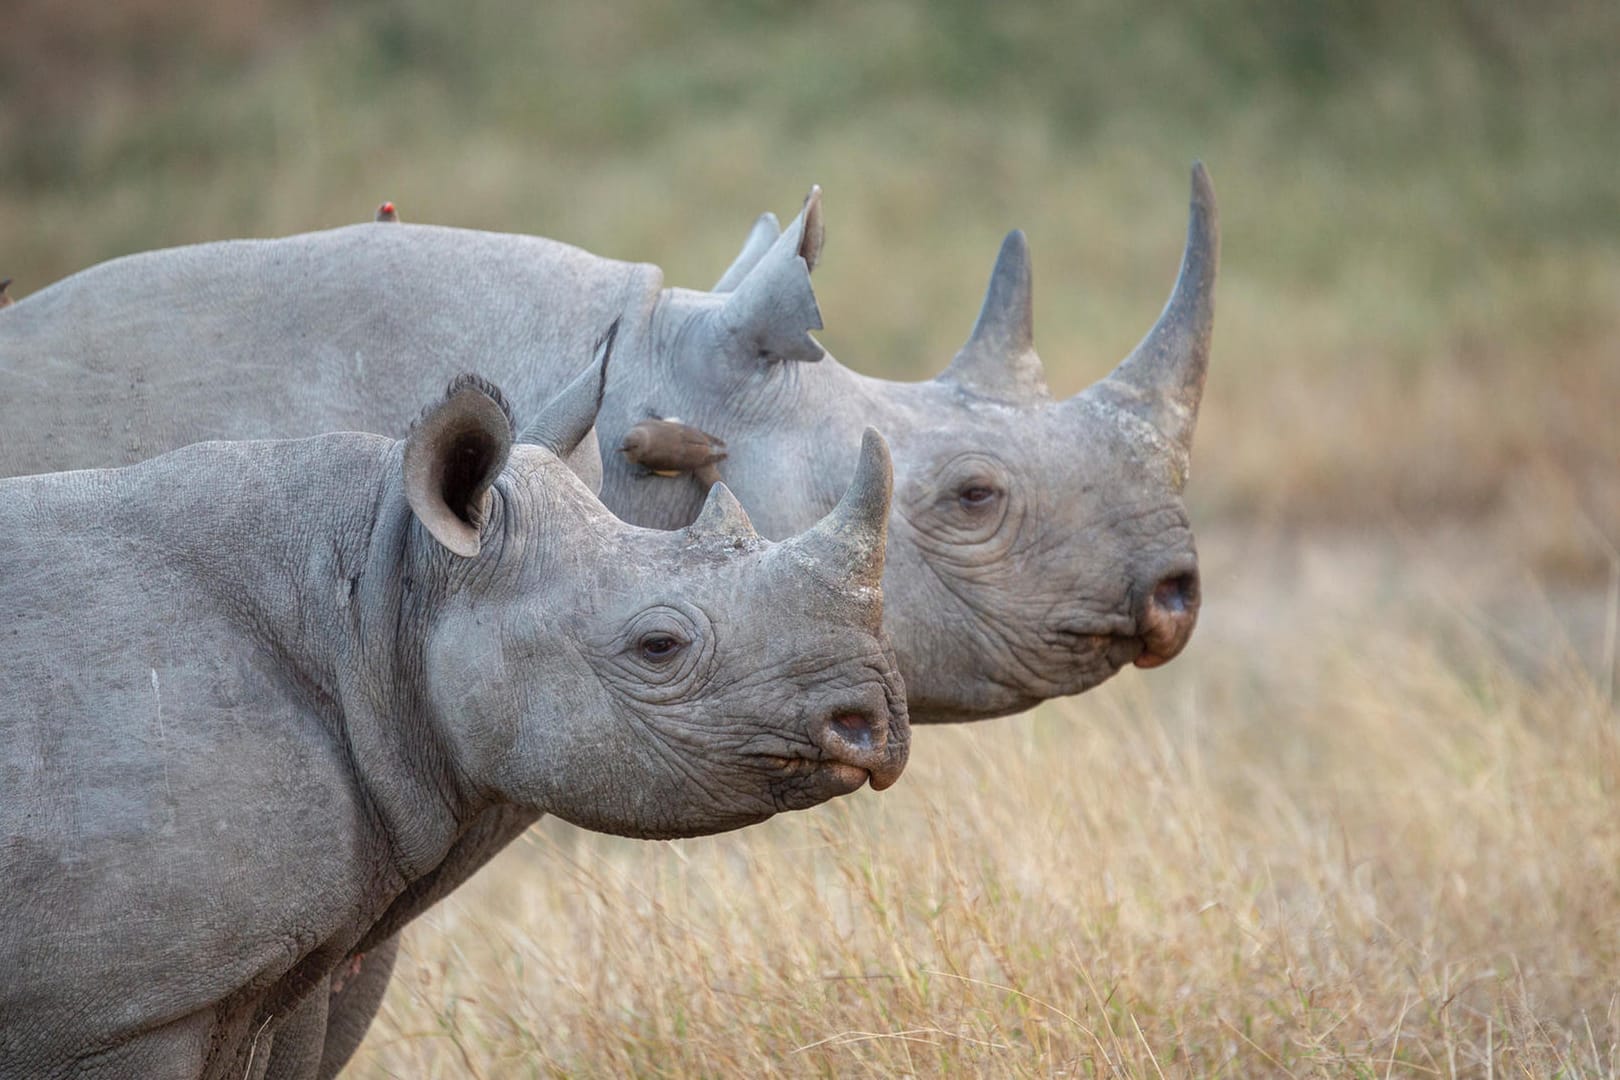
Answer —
347 329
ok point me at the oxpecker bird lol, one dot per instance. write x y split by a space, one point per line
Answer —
670 448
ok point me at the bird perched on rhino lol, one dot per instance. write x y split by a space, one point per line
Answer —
5 301
386 212
667 447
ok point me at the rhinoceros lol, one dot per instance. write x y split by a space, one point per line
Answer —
1036 546
263 702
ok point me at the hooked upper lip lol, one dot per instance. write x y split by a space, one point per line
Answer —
852 776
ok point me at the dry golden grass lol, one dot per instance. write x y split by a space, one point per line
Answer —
1365 827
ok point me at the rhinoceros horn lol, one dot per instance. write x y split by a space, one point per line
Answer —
849 542
722 516
564 425
760 238
999 360
773 308
1162 380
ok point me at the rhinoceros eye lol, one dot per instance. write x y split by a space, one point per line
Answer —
977 496
660 648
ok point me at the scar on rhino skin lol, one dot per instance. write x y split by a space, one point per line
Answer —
671 448
346 971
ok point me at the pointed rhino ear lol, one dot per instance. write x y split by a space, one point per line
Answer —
773 308
585 460
814 237
567 424
760 238
452 456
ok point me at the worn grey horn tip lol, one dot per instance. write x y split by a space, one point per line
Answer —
722 515
1202 188
1203 194
874 474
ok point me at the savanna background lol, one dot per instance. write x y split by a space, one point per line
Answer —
1367 825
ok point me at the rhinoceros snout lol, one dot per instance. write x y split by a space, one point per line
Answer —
1168 613
862 737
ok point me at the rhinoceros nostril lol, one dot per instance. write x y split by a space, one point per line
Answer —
853 729
1177 594
1167 618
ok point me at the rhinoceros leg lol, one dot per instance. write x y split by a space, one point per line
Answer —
295 1054
357 994
358 988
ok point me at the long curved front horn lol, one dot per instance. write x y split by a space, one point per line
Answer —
1163 378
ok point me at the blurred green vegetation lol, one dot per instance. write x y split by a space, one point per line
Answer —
1420 295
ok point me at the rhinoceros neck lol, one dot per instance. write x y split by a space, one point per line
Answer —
308 544
274 530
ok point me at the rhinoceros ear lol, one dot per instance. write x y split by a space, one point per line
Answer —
452 456
760 238
999 360
772 310
566 426
815 229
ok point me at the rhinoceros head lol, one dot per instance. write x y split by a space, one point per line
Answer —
641 682
1035 546
1050 536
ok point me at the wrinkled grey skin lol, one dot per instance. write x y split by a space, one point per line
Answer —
263 702
1049 537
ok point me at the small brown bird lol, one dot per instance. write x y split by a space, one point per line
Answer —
386 212
5 301
670 448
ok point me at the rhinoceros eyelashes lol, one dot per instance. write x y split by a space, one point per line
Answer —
966 502
999 361
662 653
660 648
977 498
